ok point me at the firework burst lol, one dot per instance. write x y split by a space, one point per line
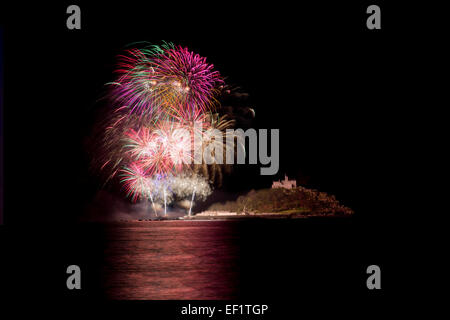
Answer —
189 77
162 150
135 182
163 99
157 79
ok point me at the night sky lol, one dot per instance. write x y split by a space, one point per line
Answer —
1 126
341 95
325 90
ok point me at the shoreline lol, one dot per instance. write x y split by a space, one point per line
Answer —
241 217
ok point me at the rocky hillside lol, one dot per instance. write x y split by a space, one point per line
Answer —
298 200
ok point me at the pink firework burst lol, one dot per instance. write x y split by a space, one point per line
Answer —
163 150
157 79
135 181
190 77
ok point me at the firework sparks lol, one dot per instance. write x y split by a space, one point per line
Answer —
156 79
163 150
163 98
185 185
135 181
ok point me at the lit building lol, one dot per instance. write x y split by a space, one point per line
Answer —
286 183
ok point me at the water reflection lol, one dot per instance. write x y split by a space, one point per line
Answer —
172 260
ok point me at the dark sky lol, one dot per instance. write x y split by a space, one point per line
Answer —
317 75
1 125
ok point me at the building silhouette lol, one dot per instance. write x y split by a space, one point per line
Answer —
286 183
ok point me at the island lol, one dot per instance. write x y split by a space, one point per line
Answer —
283 200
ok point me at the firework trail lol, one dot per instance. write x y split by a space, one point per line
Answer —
215 143
191 79
157 79
162 189
137 86
188 185
136 183
162 150
108 148
164 97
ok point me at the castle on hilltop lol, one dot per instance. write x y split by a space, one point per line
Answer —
286 183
